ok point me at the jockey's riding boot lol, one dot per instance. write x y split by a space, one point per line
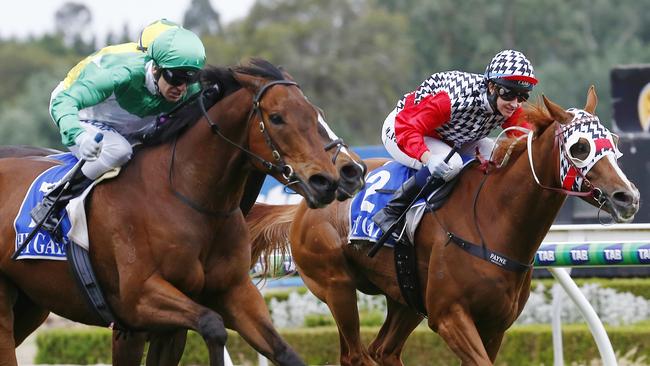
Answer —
78 183
400 202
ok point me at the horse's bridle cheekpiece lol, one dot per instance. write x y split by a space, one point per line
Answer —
280 166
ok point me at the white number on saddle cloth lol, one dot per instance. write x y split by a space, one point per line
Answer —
378 181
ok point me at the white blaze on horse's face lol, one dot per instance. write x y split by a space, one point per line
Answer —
332 135
585 142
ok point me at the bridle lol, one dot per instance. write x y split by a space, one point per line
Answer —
561 142
279 166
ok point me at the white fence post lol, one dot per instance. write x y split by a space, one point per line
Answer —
556 324
594 323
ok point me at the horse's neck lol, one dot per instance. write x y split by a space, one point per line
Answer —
208 168
517 212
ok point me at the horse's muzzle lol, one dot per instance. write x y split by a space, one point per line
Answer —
623 204
321 190
351 180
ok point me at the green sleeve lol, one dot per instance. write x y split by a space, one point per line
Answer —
93 86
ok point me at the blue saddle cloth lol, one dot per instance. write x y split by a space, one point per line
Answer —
43 245
380 186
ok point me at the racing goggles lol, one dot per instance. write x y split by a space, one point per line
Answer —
510 95
178 77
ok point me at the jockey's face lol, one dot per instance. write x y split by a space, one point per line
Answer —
509 102
171 93
507 108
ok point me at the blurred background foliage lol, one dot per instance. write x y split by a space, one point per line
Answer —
355 58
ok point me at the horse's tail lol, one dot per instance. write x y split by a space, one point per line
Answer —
269 227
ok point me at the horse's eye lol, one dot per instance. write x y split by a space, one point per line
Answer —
276 119
580 150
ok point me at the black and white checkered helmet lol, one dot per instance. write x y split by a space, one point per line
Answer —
511 69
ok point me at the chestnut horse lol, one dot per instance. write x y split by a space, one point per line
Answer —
468 301
166 263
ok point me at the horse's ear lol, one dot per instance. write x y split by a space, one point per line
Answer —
557 113
248 81
592 100
285 74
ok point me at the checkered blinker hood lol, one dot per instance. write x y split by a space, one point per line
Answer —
575 165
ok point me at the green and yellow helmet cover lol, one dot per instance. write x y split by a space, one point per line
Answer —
177 47
151 31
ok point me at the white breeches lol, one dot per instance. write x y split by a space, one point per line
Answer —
116 150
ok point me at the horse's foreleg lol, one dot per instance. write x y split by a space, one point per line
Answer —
387 347
457 329
244 310
162 307
128 349
8 295
340 295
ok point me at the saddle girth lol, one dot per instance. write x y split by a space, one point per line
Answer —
85 277
407 276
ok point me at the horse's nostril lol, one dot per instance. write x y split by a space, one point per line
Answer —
350 172
322 183
623 198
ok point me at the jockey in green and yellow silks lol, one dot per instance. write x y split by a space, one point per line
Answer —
120 91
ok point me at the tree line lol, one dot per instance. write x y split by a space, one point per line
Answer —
356 58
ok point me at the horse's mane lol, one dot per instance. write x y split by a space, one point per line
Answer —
537 117
261 68
224 78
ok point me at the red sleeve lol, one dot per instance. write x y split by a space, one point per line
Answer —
518 118
418 120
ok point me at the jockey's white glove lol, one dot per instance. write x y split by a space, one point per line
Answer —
89 149
439 169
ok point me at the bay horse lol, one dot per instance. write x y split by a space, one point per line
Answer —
166 263
167 347
469 301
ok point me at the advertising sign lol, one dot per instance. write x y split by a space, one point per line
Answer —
631 98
